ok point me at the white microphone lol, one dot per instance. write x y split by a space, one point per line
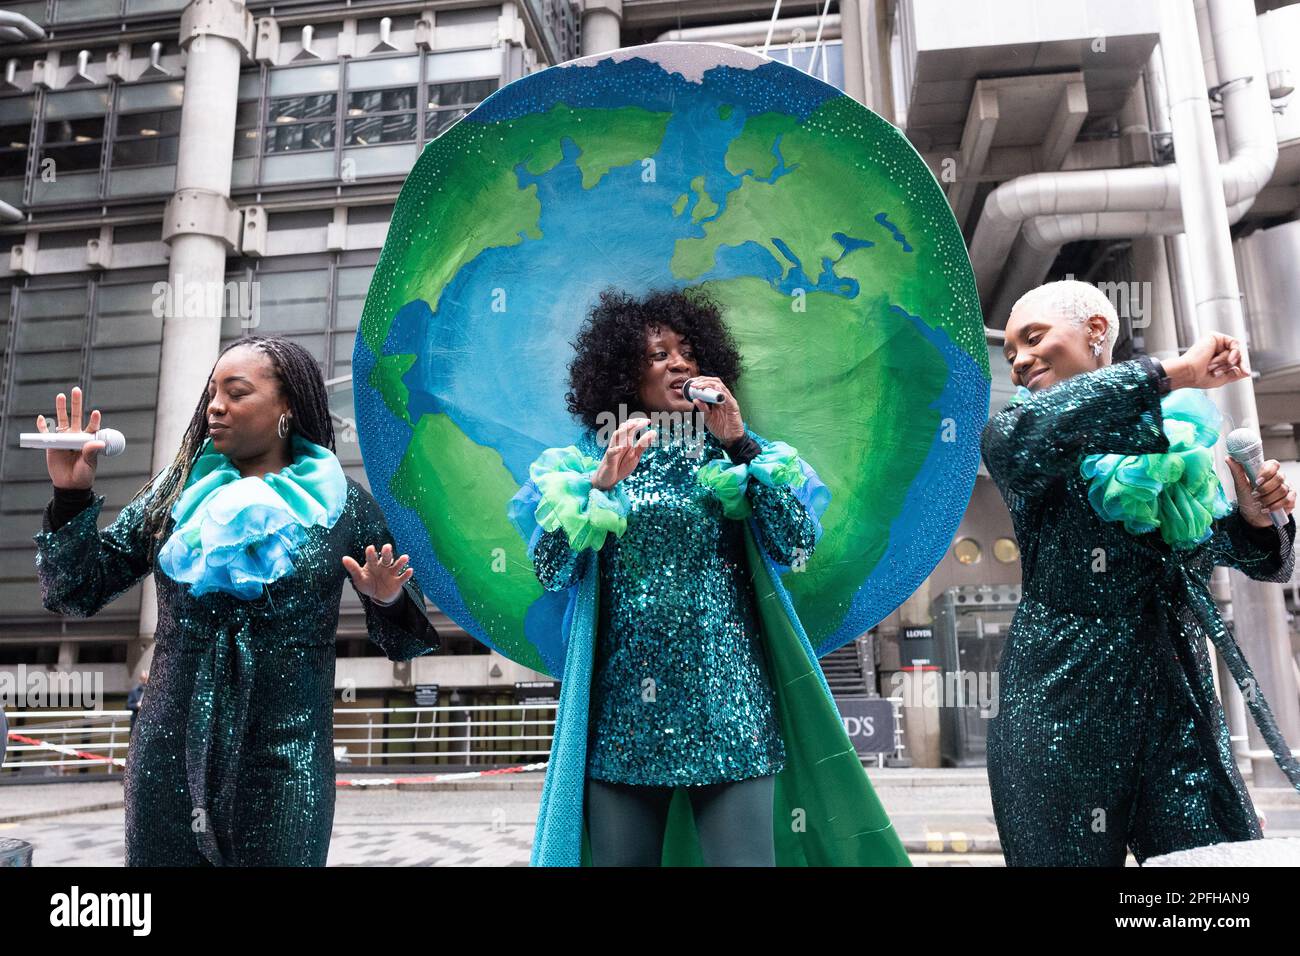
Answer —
1247 450
691 393
114 441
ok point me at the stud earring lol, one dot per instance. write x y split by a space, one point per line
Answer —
1096 347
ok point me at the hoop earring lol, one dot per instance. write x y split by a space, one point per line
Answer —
282 427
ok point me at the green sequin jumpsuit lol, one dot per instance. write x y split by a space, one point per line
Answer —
231 760
1109 735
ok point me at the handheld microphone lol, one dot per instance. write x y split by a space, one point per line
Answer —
691 393
114 441
1247 450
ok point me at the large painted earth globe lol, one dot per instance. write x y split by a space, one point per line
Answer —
811 220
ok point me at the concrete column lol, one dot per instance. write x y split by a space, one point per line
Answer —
852 32
1258 609
922 689
1158 326
201 226
602 21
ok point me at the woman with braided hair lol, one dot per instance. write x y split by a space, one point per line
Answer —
249 535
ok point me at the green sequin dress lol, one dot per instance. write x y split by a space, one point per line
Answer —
680 690
231 760
1109 735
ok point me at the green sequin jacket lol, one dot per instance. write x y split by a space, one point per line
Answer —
231 760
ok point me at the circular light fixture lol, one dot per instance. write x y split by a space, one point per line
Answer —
967 550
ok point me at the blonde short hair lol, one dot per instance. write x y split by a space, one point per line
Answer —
1076 301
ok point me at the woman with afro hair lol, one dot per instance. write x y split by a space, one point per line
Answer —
694 725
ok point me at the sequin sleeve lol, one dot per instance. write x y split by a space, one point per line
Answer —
780 490
81 569
401 630
789 500
1265 554
1116 409
563 517
556 564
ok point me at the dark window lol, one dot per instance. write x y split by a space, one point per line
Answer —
74 144
448 102
13 149
300 122
380 116
146 139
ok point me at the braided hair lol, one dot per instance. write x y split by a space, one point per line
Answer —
302 386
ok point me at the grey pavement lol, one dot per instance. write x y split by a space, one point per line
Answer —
945 818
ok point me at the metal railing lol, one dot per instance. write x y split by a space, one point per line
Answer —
86 744
81 743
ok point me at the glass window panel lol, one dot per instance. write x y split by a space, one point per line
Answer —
376 101
250 85
44 366
49 333
298 167
438 120
300 136
74 130
77 103
151 96
126 314
145 152
17 109
60 302
15 135
137 360
315 344
246 142
246 113
286 109
292 300
344 343
380 129
463 92
154 123
154 6
142 180
381 159
308 79
388 71
68 10
449 66
73 158
13 162
131 391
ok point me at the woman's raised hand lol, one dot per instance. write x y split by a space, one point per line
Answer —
1216 359
71 469
382 576
623 453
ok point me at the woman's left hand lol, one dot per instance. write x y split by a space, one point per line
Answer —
1271 493
723 420
381 577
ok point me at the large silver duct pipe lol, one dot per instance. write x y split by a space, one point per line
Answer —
1089 197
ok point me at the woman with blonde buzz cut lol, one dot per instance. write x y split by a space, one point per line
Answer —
1109 736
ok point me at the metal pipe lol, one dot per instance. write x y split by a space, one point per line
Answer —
1090 194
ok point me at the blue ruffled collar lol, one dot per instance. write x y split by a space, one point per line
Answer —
237 534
